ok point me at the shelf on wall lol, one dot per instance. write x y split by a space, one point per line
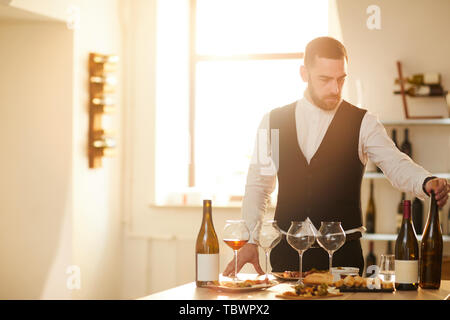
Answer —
392 237
418 122
376 175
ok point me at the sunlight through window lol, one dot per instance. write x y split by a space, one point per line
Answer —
231 94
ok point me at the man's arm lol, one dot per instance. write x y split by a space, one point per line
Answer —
261 178
260 184
403 173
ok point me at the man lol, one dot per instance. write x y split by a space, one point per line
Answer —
323 146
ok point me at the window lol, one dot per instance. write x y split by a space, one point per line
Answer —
244 61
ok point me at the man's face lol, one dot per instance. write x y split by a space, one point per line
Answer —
325 79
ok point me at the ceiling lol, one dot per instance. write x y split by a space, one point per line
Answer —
10 14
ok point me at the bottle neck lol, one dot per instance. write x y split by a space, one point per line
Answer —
407 210
434 211
406 134
371 189
207 212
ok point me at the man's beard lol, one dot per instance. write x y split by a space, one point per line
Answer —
323 103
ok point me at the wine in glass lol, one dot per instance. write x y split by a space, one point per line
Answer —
300 236
267 235
331 237
235 235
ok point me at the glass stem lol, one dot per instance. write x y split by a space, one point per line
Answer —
300 255
235 265
330 254
267 259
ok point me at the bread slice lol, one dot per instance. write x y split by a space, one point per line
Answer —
318 278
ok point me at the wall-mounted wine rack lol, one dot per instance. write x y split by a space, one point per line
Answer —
102 101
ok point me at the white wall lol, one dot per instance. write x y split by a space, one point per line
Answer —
95 222
372 59
36 202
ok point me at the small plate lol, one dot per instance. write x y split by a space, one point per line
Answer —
342 272
345 270
223 288
280 275
329 295
351 289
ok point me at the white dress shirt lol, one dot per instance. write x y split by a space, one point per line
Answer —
312 123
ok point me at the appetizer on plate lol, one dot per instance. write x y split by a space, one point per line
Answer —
318 278
357 283
295 274
342 272
302 291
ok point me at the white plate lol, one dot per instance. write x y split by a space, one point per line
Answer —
340 272
255 287
345 270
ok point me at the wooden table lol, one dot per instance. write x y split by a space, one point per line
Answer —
190 292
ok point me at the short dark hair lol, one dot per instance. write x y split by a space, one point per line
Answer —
324 47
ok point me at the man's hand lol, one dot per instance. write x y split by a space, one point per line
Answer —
248 253
441 189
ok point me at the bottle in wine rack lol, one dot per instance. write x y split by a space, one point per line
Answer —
428 78
431 247
406 146
394 137
389 247
417 215
399 216
370 213
406 253
434 90
206 250
371 259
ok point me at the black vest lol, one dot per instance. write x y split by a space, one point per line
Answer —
327 189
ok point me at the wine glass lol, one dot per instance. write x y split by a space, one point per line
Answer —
267 235
387 268
331 237
235 235
300 236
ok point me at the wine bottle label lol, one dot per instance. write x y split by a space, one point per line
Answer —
207 267
406 271
423 91
431 78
